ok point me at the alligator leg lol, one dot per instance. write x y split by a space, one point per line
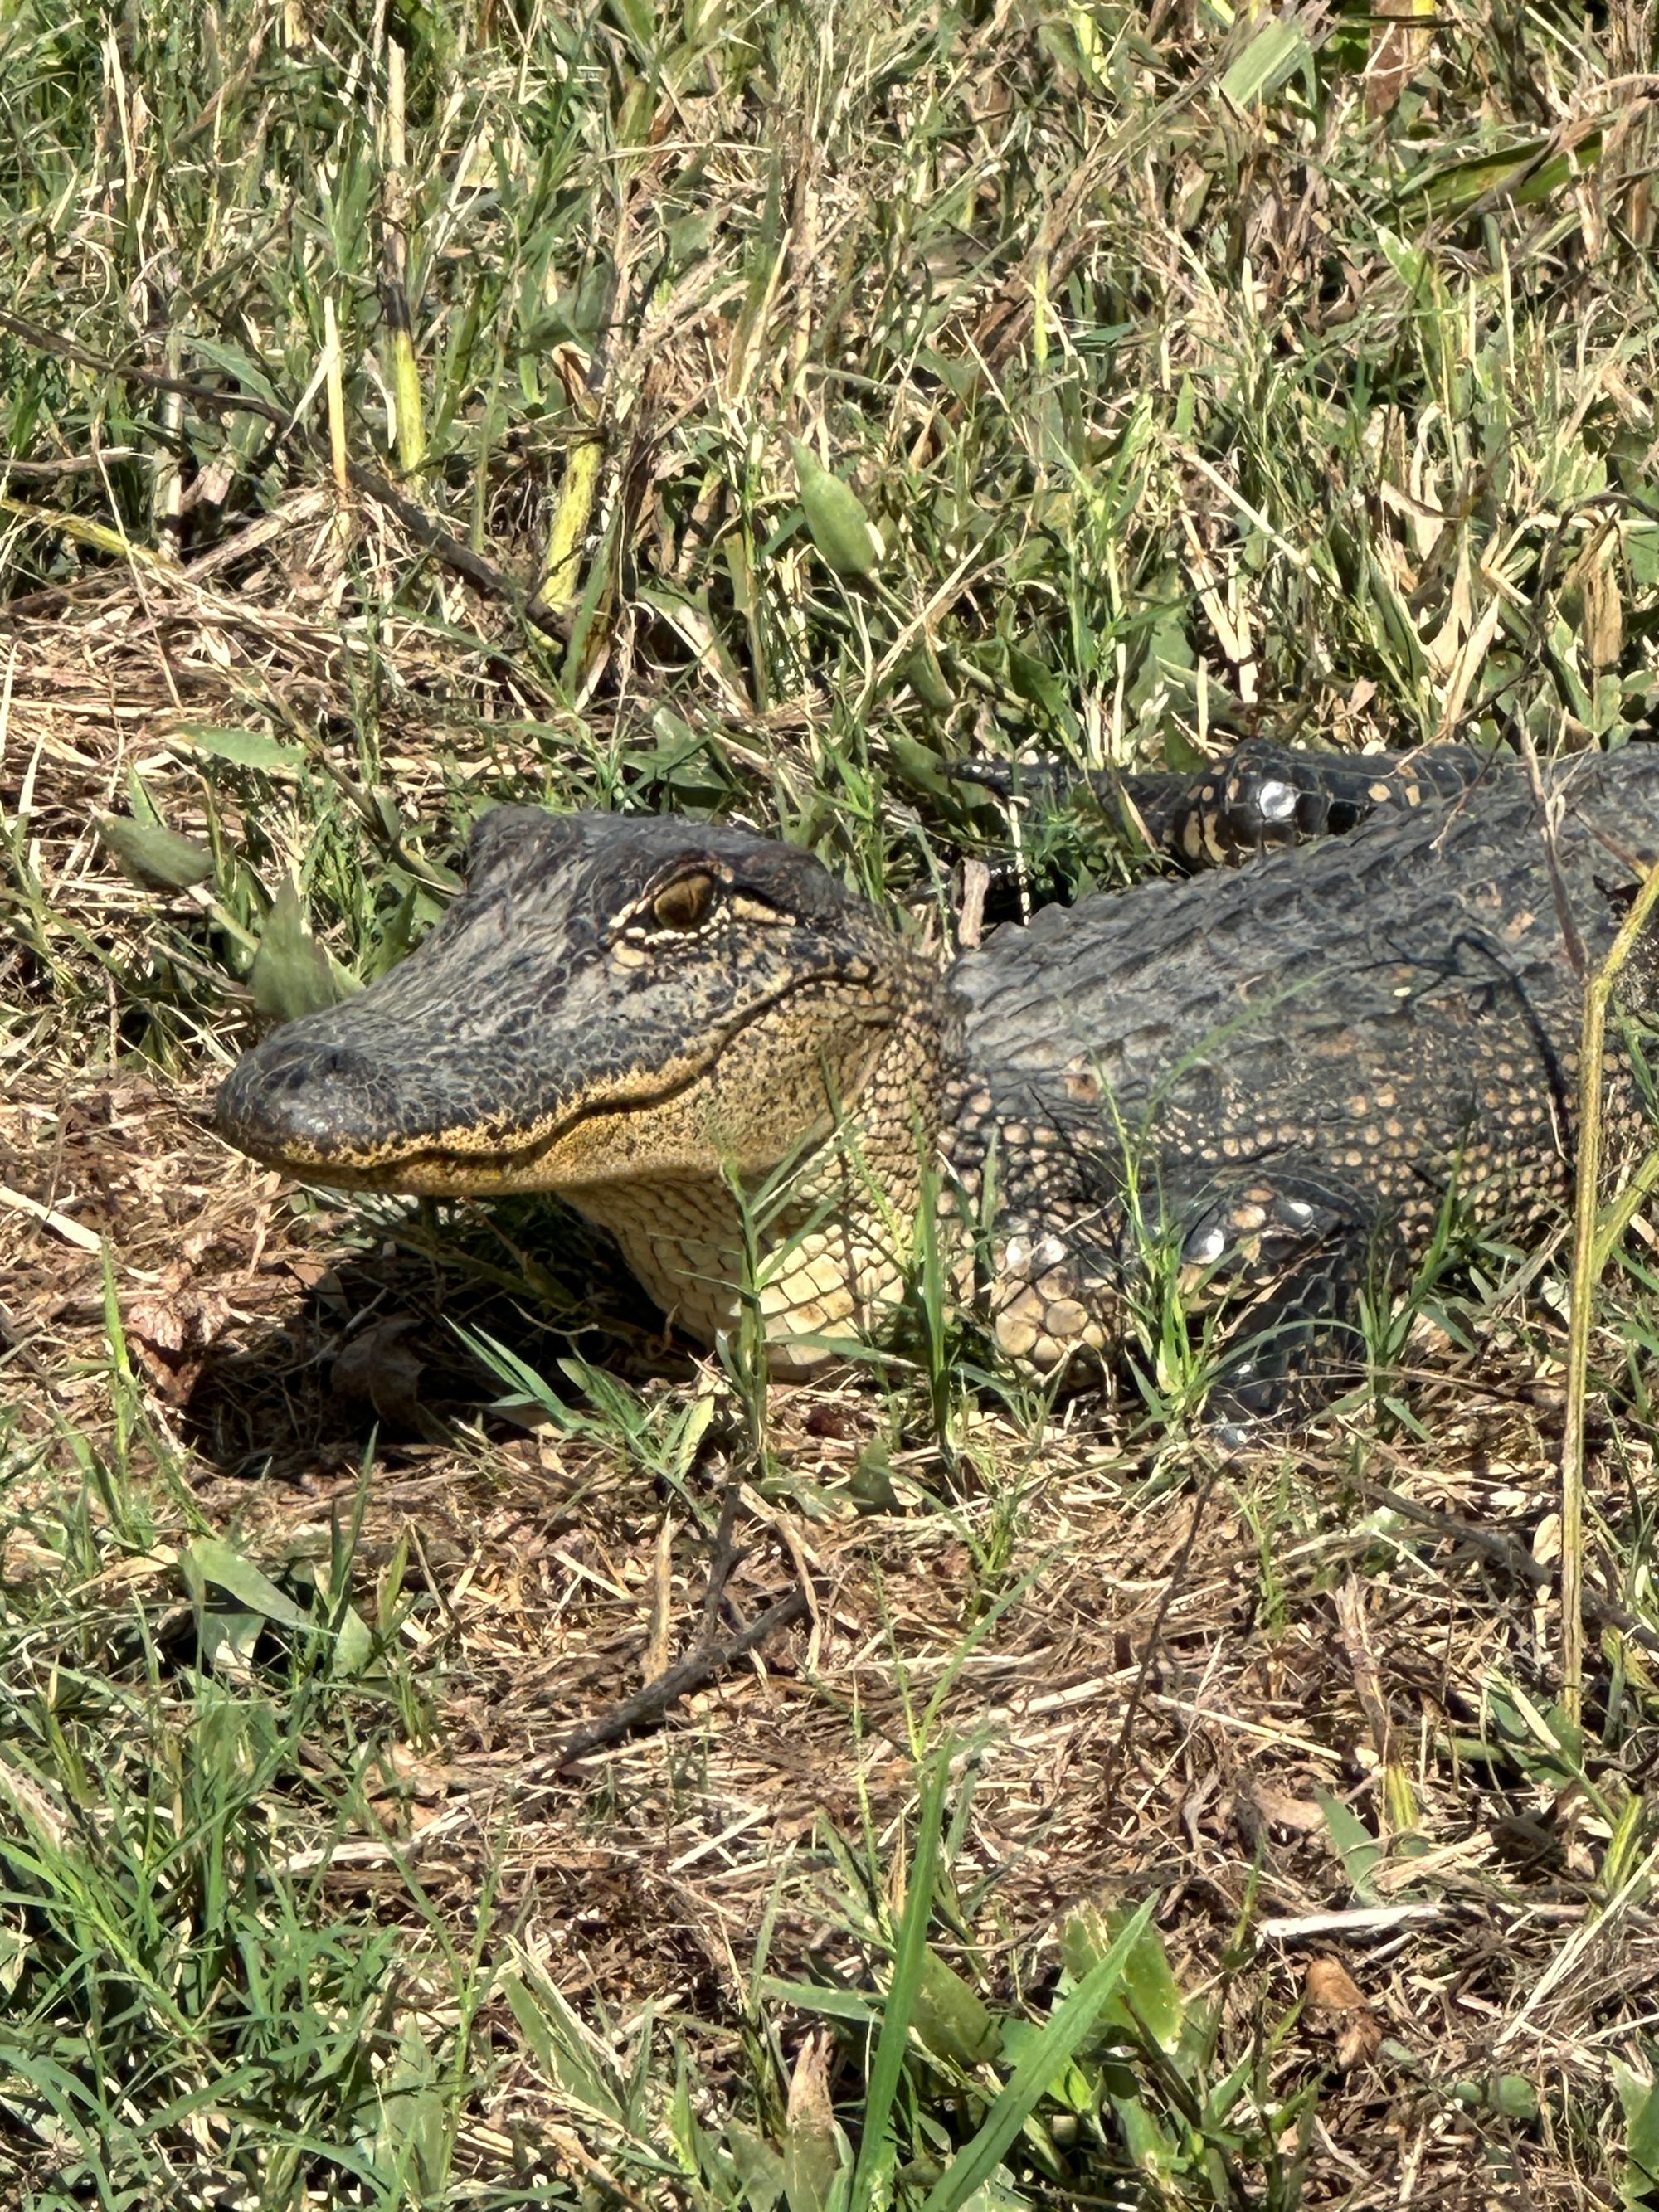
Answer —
1289 1251
1261 797
1279 1250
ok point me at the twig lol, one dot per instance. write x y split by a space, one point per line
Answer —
1362 1667
79 464
72 1232
707 1657
44 341
483 575
1504 1552
1363 1920
704 1664
1585 1244
1115 1757
722 1557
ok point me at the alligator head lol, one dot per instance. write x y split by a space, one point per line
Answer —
617 1008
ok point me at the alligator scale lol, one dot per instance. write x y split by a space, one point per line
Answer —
1277 1073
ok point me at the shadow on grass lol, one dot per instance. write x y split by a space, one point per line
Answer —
369 1347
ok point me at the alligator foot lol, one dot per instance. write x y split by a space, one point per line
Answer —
1261 797
1294 1248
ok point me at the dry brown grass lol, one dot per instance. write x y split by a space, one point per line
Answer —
1198 1651
1345 461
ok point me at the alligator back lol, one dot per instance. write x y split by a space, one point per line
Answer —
1376 1016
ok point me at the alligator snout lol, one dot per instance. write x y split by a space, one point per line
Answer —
300 1098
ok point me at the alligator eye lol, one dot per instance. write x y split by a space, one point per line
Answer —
685 903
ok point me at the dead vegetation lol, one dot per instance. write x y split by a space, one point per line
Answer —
1194 376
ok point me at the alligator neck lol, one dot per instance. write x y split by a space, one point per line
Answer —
832 1245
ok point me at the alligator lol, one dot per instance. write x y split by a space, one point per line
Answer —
1276 1076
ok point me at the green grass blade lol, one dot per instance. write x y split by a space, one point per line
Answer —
909 1956
1054 2049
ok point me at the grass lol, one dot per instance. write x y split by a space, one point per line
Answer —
741 411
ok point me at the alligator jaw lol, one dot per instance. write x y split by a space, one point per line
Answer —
485 1157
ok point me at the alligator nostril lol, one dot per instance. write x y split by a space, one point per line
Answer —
301 1065
295 1088
335 1059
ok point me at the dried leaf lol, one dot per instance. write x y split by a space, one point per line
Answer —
1604 618
172 1329
812 2150
1330 1985
378 1368
1336 2007
1299 1816
1399 45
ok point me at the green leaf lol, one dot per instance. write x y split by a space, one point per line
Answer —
639 19
825 1998
1035 682
919 765
354 1646
1358 1848
1276 50
875 2146
1150 1997
158 859
292 974
951 2019
213 1561
242 748
1528 173
555 2034
1077 2085
1514 2096
921 670
1638 2099
840 528
233 361
229 1640
1511 2094
410 2135
1641 543
1052 2053
758 2166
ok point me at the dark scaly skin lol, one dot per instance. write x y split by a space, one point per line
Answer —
1261 797
1298 1061
1278 1067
